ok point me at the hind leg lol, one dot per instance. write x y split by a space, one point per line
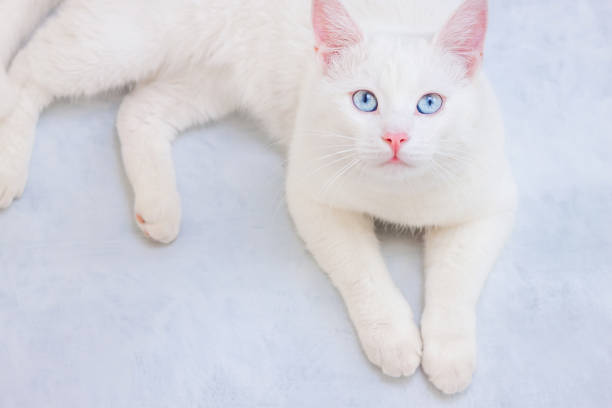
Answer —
75 53
148 120
16 138
20 19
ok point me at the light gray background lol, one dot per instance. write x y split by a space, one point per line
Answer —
236 314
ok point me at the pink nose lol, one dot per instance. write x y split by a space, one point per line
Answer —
395 141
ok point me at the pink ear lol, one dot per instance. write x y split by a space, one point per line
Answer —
464 34
334 29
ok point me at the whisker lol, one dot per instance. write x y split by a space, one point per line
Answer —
447 174
330 155
338 175
326 165
348 146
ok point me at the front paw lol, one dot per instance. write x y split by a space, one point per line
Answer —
449 356
392 342
159 217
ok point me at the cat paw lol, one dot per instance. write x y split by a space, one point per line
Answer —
449 361
159 218
16 135
393 344
13 174
12 185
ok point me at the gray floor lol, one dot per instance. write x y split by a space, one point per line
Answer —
236 314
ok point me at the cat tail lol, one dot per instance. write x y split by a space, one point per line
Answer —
18 18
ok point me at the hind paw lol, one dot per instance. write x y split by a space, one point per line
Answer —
11 186
14 160
159 218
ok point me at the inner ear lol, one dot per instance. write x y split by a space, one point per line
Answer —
464 34
334 28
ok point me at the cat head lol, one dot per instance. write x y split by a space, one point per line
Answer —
391 103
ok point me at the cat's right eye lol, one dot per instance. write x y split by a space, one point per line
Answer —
365 101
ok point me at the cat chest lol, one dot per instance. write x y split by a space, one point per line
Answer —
412 209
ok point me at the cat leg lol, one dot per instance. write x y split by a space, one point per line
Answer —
75 53
149 119
7 94
16 135
457 261
19 18
345 246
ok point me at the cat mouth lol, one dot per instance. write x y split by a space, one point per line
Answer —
397 162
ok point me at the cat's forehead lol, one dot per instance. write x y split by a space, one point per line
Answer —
397 46
397 33
402 63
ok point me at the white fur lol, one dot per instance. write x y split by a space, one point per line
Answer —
193 61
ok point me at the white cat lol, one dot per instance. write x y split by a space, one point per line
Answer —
383 108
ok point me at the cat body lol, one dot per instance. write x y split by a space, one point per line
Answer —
350 90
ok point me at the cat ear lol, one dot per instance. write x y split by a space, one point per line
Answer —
464 34
333 27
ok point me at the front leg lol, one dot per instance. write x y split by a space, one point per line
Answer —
345 246
457 261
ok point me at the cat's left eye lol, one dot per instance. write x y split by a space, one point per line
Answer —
365 101
430 104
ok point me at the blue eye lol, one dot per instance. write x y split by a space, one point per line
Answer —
430 104
365 101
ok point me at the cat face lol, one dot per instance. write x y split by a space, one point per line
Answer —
392 103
